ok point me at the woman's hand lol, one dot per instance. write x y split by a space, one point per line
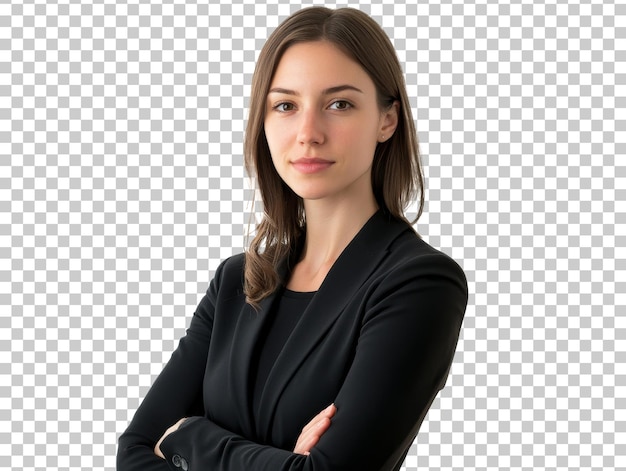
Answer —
173 428
314 430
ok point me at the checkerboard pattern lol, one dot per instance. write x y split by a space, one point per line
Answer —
122 188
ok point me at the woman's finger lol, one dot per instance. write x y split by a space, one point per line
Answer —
313 431
326 413
173 428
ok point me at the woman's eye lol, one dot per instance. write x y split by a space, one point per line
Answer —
340 105
283 107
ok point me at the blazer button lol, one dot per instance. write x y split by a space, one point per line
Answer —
183 464
176 461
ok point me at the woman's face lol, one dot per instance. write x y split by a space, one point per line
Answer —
323 122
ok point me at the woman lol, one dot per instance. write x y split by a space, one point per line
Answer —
324 345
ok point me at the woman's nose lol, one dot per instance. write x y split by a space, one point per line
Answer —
310 128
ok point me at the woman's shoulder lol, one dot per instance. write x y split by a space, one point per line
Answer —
233 264
229 273
415 274
411 252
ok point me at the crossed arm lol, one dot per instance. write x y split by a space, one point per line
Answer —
309 436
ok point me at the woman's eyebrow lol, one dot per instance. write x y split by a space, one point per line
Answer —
328 91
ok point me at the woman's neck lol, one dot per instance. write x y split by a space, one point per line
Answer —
330 228
328 233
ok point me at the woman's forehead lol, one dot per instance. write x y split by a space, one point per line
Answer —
322 66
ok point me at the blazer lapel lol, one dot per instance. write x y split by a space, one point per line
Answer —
250 326
353 267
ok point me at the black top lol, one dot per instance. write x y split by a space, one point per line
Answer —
285 315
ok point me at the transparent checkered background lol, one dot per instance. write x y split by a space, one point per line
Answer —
122 188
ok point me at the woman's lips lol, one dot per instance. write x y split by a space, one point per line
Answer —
308 165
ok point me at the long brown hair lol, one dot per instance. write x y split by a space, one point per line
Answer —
396 170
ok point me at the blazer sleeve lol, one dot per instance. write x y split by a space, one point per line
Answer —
176 393
406 345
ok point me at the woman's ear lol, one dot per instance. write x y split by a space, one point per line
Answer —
388 121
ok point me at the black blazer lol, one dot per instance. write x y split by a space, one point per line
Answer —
377 339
